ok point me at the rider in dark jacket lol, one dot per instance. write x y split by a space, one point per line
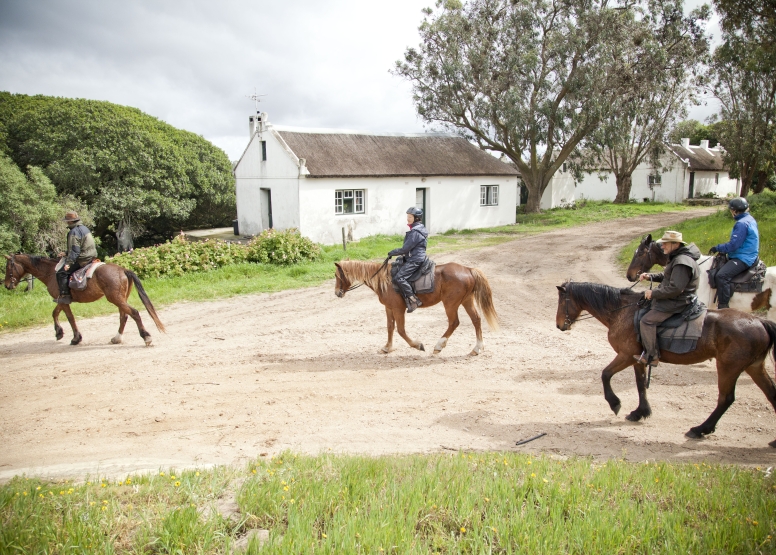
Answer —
678 284
742 250
414 252
81 250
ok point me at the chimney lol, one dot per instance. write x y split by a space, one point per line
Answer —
251 125
685 143
705 144
257 123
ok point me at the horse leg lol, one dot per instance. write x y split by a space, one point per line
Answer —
133 312
119 337
726 383
452 323
620 362
471 310
643 410
763 380
399 317
58 331
77 337
391 324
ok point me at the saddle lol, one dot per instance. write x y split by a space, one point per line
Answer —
78 279
680 333
750 281
422 279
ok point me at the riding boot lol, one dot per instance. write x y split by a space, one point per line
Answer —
412 303
64 288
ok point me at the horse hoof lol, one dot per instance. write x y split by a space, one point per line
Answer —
616 409
147 341
474 353
386 350
77 339
635 416
117 340
773 444
436 352
694 434
60 334
421 348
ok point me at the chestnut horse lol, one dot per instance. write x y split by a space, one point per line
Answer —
649 253
110 280
454 285
740 342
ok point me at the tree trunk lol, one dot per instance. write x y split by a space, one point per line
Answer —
762 179
624 184
746 183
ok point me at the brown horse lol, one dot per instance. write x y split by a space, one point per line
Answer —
649 253
740 342
110 280
454 285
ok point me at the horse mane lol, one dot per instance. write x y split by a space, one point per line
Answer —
38 261
599 297
362 271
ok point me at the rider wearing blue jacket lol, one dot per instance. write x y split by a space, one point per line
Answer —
414 252
742 250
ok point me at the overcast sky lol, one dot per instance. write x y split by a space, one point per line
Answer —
192 63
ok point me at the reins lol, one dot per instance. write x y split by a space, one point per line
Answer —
589 316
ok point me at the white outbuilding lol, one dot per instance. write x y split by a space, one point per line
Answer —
321 181
688 171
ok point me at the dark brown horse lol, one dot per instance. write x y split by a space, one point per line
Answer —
740 342
454 285
649 253
109 280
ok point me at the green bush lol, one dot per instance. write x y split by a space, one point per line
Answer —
282 247
179 256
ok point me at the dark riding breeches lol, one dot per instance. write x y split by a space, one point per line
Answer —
404 273
731 269
648 330
63 278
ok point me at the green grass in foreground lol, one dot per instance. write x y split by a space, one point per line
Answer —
712 230
19 309
463 503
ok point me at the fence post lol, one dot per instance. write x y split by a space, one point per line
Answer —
344 243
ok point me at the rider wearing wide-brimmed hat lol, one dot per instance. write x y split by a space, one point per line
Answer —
678 284
414 251
81 250
742 250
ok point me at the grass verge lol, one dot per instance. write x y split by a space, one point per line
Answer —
461 503
19 309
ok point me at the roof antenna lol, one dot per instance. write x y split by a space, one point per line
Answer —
256 98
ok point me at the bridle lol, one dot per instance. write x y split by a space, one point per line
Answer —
10 268
341 274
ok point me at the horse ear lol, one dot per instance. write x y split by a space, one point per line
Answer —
7 257
338 266
561 288
648 239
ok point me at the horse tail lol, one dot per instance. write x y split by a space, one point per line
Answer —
484 298
144 297
770 327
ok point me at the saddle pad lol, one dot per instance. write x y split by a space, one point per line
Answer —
677 334
79 278
421 280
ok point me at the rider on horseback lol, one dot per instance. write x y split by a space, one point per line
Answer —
414 251
742 250
678 284
81 250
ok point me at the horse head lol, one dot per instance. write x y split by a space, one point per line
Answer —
647 255
13 272
342 283
568 310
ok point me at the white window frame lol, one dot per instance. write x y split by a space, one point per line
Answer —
488 195
655 180
358 197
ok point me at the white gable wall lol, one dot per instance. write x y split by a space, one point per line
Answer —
451 203
279 173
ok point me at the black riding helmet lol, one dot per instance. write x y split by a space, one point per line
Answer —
417 212
738 204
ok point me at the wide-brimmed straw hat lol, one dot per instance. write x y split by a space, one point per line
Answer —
71 217
671 237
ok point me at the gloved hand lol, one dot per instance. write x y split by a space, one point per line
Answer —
713 250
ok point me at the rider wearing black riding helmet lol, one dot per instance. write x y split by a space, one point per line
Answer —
414 252
742 250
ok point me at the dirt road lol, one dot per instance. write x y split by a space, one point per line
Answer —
301 370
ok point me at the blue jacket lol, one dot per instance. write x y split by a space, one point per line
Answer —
414 247
744 241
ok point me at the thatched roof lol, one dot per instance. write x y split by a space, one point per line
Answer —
361 155
700 159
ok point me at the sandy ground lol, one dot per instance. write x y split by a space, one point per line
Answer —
300 370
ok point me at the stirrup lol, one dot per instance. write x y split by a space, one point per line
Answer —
412 303
645 360
64 299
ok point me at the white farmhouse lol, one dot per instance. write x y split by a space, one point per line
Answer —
688 171
323 181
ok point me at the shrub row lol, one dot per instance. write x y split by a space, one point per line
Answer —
179 256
